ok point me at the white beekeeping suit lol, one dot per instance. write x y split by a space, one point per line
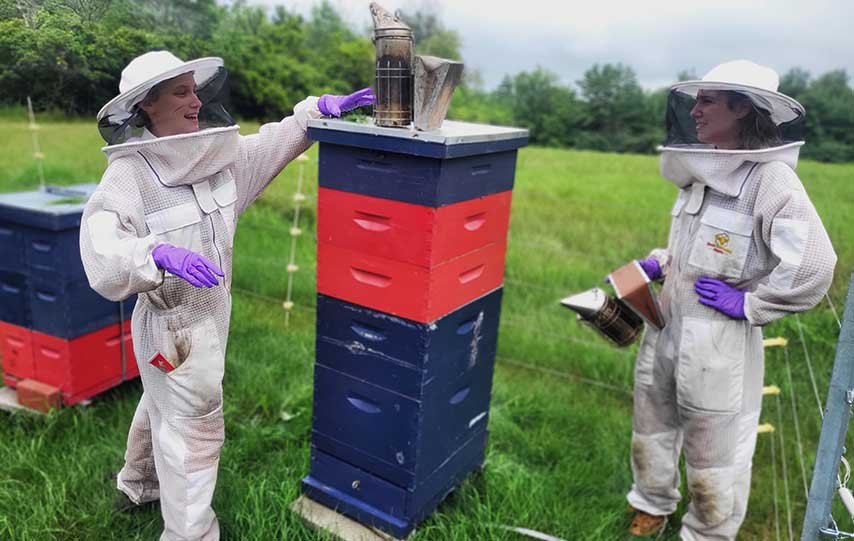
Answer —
742 218
188 191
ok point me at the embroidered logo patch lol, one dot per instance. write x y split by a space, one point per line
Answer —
720 245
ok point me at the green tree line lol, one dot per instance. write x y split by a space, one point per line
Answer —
68 55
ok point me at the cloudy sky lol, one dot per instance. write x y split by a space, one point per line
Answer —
657 38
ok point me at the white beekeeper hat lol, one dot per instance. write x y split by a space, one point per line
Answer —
149 69
758 83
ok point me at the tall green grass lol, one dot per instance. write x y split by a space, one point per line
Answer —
559 444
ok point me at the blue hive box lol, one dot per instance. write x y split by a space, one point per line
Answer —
374 501
70 309
42 282
401 355
456 163
401 405
14 299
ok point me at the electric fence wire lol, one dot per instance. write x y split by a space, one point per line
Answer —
833 309
797 421
605 262
505 360
809 365
278 231
774 485
784 468
564 375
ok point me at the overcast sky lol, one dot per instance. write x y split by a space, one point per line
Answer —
657 38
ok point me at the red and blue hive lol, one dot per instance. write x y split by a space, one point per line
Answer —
412 233
54 328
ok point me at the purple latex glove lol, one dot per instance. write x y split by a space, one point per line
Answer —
331 105
192 267
651 267
721 296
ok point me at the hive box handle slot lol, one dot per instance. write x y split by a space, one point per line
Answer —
370 278
368 333
364 405
466 326
374 166
472 274
475 221
7 288
460 395
47 297
480 169
41 247
50 353
372 222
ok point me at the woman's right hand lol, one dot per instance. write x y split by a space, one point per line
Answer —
192 267
331 105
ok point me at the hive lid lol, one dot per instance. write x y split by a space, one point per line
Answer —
453 140
55 208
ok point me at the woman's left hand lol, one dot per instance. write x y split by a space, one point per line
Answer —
721 296
331 105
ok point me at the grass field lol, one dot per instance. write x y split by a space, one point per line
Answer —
559 442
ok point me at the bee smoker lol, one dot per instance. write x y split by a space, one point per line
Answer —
393 44
611 317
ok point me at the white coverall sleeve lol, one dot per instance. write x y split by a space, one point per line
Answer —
263 155
792 230
117 260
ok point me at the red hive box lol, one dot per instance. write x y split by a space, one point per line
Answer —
406 290
410 260
16 353
417 234
84 366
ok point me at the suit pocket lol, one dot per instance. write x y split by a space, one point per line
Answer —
226 199
722 242
711 365
179 225
195 386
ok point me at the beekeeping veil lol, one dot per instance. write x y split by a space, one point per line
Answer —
772 130
122 120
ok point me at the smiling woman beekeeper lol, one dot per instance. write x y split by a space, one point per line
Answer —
746 247
161 224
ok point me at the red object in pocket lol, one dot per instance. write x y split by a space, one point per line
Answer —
160 362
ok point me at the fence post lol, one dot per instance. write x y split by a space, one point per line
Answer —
831 444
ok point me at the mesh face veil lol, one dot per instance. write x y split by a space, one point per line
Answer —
761 127
734 107
118 126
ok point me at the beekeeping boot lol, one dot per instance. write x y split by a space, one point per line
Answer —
646 525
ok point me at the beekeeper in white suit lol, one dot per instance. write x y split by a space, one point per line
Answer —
746 247
161 224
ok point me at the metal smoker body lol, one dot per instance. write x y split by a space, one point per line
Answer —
393 43
611 317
